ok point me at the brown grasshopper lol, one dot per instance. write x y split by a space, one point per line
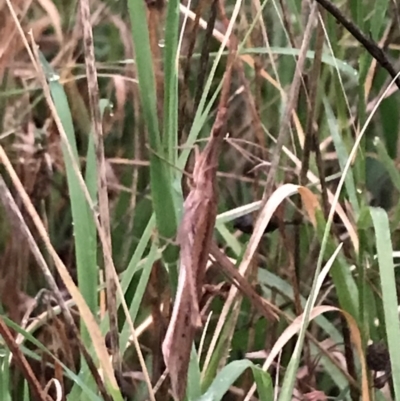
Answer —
194 237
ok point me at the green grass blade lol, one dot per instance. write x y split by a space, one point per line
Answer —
224 379
171 101
132 268
4 375
378 18
83 223
171 82
161 180
194 377
145 70
389 292
137 299
26 391
342 156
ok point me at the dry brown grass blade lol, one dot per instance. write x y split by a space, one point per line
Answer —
23 363
195 237
93 91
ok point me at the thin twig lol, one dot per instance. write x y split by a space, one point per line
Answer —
370 45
